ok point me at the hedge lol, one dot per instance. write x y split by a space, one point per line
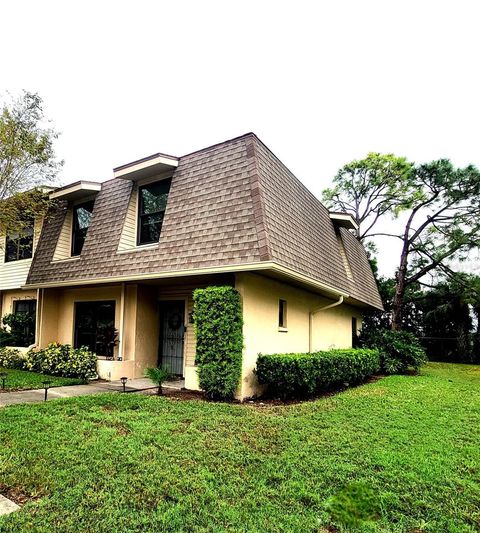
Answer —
217 316
54 360
304 374
62 360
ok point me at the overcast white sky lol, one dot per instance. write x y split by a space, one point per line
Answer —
321 83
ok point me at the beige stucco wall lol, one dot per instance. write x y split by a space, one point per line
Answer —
260 299
9 297
137 306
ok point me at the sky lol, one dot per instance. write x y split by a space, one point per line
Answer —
321 83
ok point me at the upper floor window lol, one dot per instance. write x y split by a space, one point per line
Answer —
19 245
82 216
151 210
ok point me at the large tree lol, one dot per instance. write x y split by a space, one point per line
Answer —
27 160
370 188
440 205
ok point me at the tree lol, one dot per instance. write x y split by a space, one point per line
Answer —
27 161
369 188
441 205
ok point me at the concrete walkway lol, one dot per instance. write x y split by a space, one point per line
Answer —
38 395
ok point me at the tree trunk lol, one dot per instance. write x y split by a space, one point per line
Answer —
400 286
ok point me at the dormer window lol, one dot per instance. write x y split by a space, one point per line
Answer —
82 216
152 203
19 245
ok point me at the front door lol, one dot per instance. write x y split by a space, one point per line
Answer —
172 332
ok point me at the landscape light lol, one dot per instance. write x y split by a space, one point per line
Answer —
3 376
46 386
124 382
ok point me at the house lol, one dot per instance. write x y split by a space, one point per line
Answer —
123 257
16 253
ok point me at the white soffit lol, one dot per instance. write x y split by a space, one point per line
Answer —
344 220
147 167
76 191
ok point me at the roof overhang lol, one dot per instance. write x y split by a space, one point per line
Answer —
76 191
344 220
146 167
270 268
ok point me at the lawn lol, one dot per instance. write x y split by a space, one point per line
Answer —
401 454
22 380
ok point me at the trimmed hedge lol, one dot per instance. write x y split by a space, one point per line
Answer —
304 374
217 316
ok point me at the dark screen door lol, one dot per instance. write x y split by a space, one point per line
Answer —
172 332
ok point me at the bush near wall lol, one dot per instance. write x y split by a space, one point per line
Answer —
11 358
217 316
62 360
399 350
304 374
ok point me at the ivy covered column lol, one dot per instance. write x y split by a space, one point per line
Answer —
217 316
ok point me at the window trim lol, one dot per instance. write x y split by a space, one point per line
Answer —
140 187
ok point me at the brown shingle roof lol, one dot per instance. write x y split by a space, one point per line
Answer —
232 203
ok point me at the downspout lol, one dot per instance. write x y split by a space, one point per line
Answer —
313 313
121 332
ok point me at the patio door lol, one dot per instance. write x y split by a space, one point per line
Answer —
172 333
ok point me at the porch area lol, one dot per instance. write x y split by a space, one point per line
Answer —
131 326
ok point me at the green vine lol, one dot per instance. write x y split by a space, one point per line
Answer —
218 322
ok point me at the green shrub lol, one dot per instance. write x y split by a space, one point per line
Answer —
399 350
304 374
11 358
22 328
158 375
6 338
219 329
62 360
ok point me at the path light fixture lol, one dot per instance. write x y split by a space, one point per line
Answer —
46 386
124 382
3 377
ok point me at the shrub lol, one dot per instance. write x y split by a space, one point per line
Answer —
62 360
399 350
218 324
22 327
158 376
304 374
11 358
6 338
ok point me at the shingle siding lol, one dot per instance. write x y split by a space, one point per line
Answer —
233 203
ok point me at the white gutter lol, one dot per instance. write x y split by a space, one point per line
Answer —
311 316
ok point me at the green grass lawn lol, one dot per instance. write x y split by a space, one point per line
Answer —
401 454
22 380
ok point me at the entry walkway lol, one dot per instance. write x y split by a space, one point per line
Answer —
38 395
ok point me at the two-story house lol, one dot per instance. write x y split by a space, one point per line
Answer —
117 262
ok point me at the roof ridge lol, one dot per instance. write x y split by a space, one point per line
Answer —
216 145
256 190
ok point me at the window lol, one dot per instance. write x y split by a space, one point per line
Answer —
82 216
151 210
95 327
19 245
354 332
282 314
23 328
